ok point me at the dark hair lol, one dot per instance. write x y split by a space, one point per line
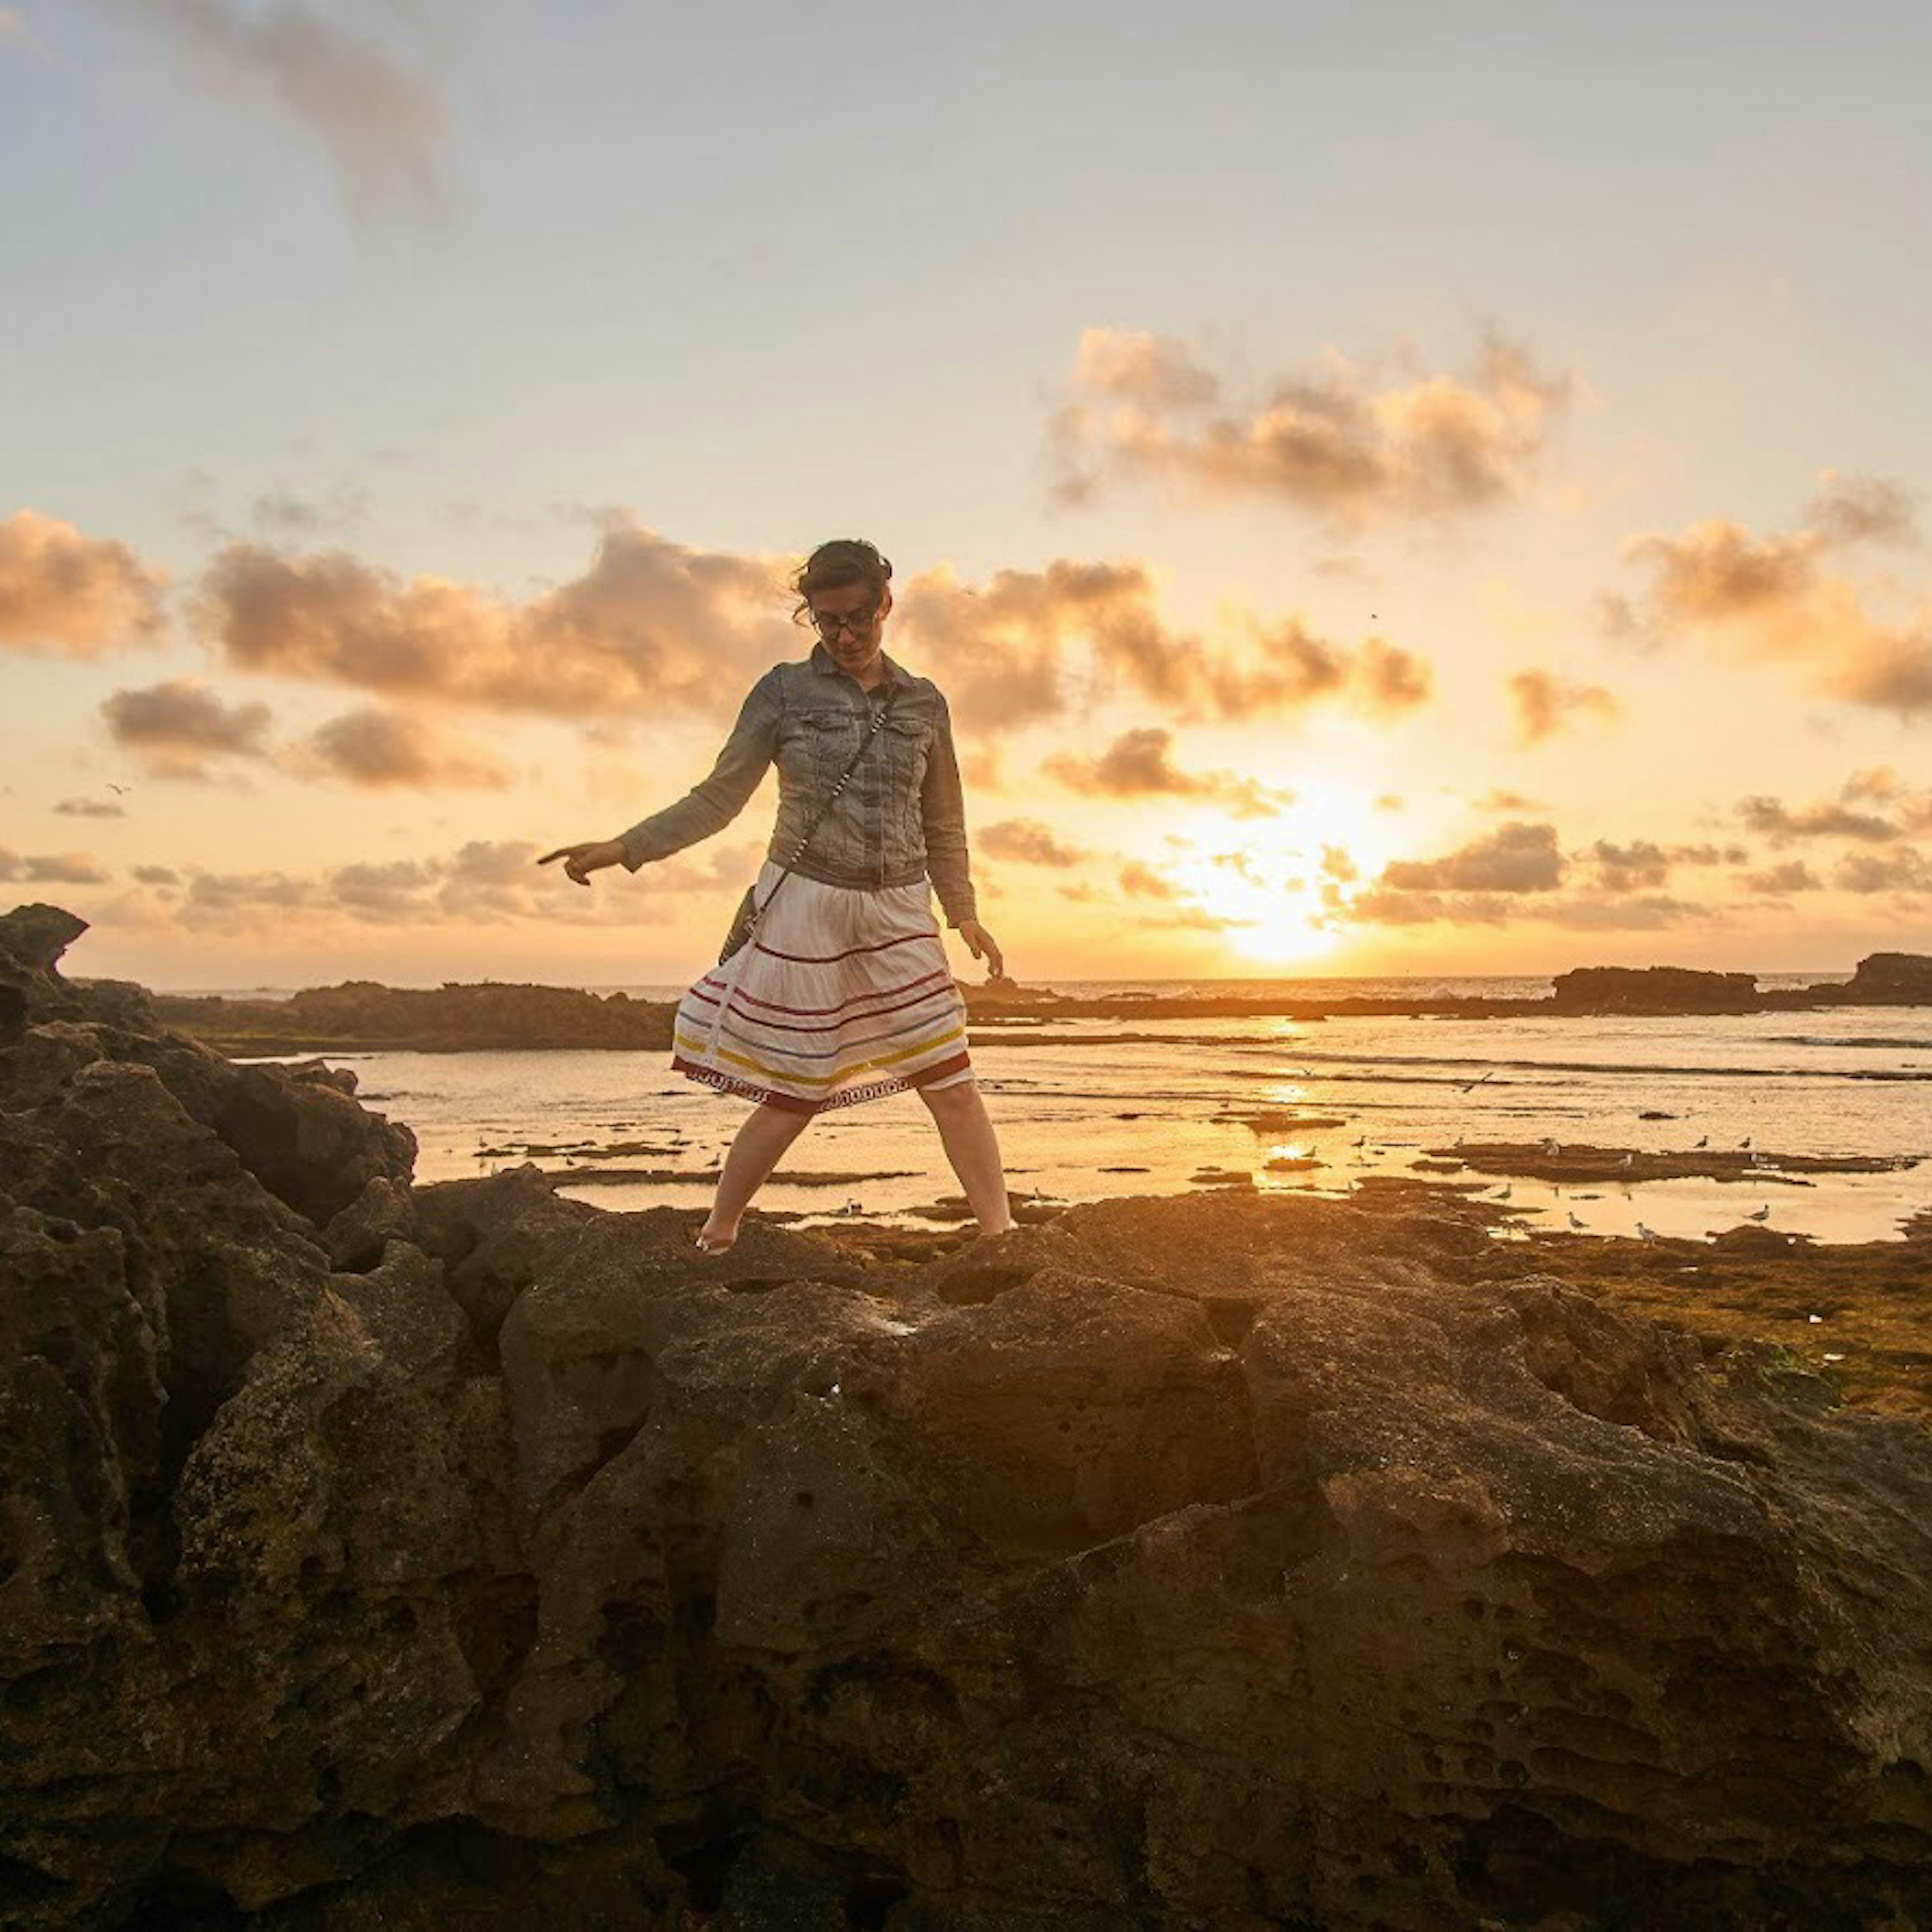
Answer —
843 560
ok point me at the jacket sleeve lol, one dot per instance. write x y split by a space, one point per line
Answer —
943 808
715 801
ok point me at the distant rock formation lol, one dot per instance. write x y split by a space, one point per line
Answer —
380 1555
362 1014
1654 989
1891 979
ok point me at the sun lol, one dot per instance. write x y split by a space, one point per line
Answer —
1275 880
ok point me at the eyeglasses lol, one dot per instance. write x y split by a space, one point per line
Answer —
831 627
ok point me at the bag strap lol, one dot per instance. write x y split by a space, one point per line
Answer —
831 798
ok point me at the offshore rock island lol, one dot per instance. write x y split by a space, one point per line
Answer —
361 1014
378 1554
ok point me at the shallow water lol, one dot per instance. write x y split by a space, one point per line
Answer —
1796 1083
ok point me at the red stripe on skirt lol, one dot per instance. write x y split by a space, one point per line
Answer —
878 992
830 1026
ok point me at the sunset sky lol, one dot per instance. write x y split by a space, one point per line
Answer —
1384 489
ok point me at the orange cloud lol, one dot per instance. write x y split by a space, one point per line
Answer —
1028 840
482 882
177 726
1343 442
1545 704
65 594
50 868
1139 764
376 749
1779 597
651 627
1515 858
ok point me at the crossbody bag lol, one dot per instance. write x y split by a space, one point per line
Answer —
749 911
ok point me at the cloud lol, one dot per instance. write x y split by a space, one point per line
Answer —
1778 599
485 882
651 628
283 510
1779 823
91 808
1139 764
1792 875
1139 881
374 748
65 594
1905 871
1003 650
1624 868
1382 905
50 868
1515 858
1345 443
1864 509
1545 704
1028 840
382 125
178 726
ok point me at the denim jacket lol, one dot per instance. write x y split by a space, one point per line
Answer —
901 819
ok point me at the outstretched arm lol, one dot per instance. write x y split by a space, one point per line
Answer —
716 800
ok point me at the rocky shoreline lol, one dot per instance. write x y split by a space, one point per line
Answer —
374 1554
362 1015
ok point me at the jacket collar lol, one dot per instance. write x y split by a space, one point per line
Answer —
822 660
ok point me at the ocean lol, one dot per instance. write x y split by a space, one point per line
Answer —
1088 1118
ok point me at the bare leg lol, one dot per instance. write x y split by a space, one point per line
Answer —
759 1146
974 1149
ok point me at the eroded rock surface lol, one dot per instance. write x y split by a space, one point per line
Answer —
462 1555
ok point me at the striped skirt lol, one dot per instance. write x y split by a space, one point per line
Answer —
841 994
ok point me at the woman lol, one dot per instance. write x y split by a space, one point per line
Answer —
843 993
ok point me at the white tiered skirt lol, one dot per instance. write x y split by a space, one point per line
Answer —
842 994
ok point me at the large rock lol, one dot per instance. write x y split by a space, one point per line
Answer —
1890 979
475 1557
1654 989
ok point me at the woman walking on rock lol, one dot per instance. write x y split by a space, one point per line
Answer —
842 993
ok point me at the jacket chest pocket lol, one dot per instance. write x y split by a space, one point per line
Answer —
905 739
819 744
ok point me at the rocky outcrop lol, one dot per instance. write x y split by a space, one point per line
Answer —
461 1555
1653 989
361 1014
1891 978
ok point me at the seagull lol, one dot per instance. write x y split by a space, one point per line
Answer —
1759 1213
112 787
1757 1158
1551 1147
1703 1140
1628 1160
853 1206
1745 1142
1490 1076
1457 1142
1575 1223
1648 1234
1504 1195
1359 1140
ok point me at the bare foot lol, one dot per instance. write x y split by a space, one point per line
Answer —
710 1244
